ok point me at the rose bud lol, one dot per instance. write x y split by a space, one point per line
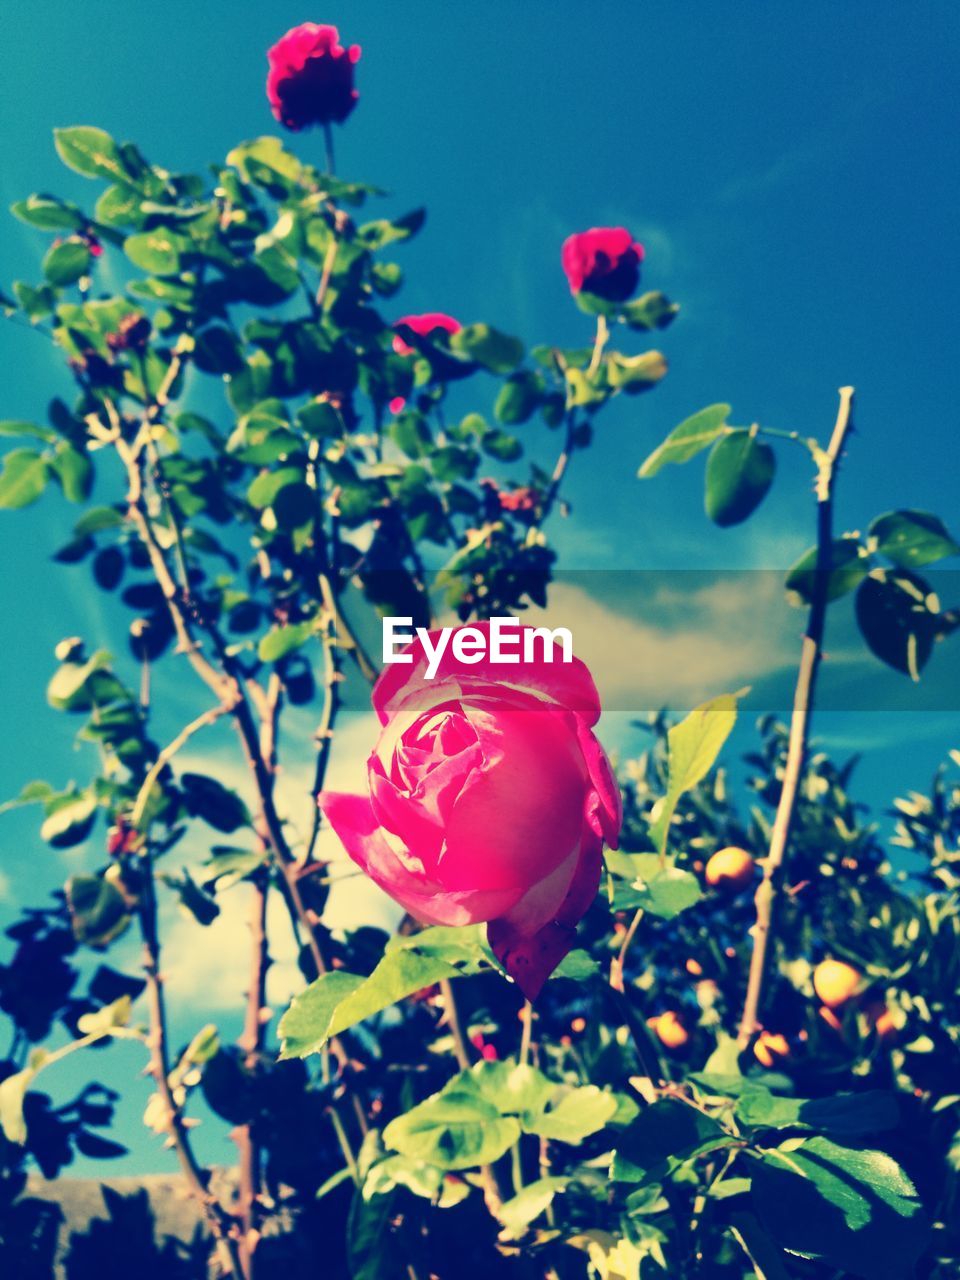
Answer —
431 324
310 80
489 800
604 261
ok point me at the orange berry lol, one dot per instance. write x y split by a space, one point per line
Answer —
578 1025
670 1030
694 968
835 982
731 868
771 1048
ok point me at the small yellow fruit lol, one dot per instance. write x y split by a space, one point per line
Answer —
771 1048
731 868
670 1030
835 982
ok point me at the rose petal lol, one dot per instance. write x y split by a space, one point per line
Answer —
353 819
605 803
530 941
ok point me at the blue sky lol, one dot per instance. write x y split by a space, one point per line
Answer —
793 171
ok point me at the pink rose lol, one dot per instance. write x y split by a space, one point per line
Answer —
310 80
426 326
490 799
604 261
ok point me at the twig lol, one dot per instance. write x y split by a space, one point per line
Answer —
166 755
774 864
251 1042
221 1223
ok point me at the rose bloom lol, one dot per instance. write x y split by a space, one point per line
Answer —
489 800
604 261
431 322
310 80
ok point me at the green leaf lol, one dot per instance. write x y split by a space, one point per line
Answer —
278 643
14 427
578 1114
842 1115
455 1129
515 1089
65 263
211 800
634 374
897 614
661 1138
91 152
97 909
517 1213
912 538
305 1027
854 1209
500 445
650 311
693 746
156 251
315 1016
69 821
658 886
518 398
48 213
23 479
68 691
849 565
75 472
740 471
688 439
264 489
489 347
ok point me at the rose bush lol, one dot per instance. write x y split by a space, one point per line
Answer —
490 799
604 261
310 80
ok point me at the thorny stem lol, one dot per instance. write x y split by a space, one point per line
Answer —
774 864
221 1223
251 1042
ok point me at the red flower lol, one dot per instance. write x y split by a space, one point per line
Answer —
311 77
604 261
489 800
424 326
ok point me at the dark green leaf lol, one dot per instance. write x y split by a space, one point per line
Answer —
849 565
897 614
211 800
661 1138
853 1208
912 538
67 262
97 909
740 471
518 398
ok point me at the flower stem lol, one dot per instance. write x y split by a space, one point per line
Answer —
770 886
